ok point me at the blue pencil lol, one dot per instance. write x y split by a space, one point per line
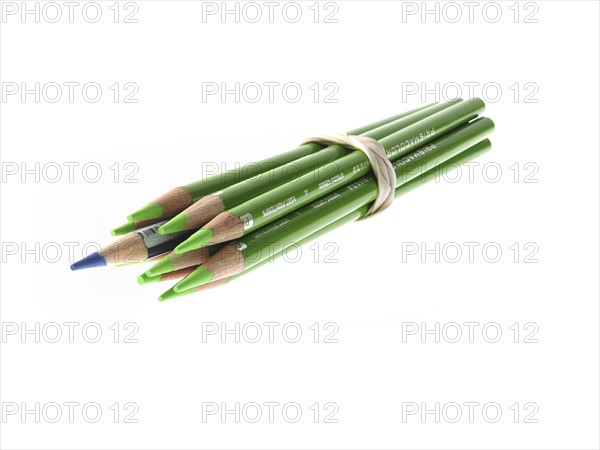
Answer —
137 246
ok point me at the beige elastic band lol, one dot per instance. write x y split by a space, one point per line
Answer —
381 165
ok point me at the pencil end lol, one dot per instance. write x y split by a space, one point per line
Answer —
197 278
123 229
170 294
165 265
145 279
149 211
197 240
93 260
174 225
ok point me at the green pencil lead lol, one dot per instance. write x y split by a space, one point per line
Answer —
145 279
197 278
165 265
149 211
197 240
123 229
168 295
174 225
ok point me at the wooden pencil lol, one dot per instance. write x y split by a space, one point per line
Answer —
168 276
153 259
211 205
128 227
468 155
182 197
256 246
134 247
173 261
268 207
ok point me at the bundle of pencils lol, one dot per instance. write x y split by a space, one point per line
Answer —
217 229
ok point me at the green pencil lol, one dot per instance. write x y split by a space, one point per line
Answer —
258 245
265 208
173 261
169 276
180 198
128 227
211 205
468 155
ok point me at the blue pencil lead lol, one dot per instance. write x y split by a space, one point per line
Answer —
92 260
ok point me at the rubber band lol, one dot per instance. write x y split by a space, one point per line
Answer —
380 164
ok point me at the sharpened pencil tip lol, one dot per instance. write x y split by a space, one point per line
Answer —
165 265
197 240
92 260
168 295
145 279
197 278
123 229
149 211
174 225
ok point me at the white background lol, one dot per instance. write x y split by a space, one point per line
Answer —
374 53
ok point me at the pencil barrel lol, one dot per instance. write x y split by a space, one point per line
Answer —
265 208
258 245
218 182
238 193
178 199
468 155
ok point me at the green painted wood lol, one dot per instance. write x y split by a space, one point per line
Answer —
209 185
468 155
296 226
264 243
270 206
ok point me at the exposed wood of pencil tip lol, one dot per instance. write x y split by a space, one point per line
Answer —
129 249
203 211
226 262
192 258
212 285
144 223
174 201
225 227
178 274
